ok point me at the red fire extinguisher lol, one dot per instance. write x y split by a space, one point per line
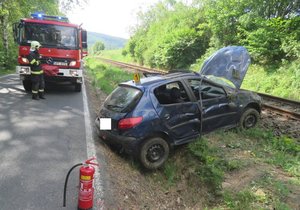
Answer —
86 188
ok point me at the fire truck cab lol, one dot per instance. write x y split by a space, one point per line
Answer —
63 47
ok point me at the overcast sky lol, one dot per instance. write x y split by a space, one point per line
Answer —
111 17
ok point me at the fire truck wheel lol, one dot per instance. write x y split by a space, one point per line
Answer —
27 85
77 87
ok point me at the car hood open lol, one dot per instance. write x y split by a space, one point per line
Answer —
230 63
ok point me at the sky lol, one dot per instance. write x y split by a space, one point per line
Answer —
110 17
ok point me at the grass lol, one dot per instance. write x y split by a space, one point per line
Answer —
104 76
282 82
116 55
6 71
207 163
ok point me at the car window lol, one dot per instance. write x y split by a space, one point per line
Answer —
123 99
208 90
171 93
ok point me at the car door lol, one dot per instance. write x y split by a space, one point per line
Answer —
179 115
218 110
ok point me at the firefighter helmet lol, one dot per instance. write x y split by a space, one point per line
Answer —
35 45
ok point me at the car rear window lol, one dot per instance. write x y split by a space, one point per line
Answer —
123 99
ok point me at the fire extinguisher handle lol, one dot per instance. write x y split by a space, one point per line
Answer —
89 161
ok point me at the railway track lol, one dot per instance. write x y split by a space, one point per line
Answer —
282 106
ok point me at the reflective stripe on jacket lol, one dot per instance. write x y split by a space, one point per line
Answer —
34 61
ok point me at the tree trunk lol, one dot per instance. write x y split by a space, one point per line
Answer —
4 34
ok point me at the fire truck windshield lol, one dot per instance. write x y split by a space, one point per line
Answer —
52 36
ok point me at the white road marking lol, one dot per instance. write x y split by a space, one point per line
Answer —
91 151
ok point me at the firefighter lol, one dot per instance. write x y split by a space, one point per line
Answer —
37 74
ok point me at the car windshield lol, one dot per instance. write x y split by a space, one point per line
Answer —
220 80
123 99
51 36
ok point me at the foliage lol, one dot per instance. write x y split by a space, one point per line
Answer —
98 47
170 35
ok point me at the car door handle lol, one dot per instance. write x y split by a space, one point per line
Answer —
167 116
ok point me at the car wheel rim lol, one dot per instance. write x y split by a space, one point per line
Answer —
155 152
250 121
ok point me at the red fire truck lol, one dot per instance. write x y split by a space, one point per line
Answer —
63 47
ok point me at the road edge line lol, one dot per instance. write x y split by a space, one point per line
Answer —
91 150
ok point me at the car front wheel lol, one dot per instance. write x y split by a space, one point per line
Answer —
154 153
249 118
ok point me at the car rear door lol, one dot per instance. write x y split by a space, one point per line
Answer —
179 115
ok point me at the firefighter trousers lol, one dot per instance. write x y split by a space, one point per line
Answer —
38 84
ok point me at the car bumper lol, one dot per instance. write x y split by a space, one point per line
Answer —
128 143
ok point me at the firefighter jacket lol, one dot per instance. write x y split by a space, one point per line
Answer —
35 63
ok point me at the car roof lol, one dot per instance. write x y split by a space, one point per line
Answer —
158 79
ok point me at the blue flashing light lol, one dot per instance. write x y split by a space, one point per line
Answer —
37 15
42 16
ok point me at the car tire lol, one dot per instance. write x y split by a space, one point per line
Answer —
27 85
249 119
153 153
77 87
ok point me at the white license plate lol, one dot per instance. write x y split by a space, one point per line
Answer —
60 63
105 123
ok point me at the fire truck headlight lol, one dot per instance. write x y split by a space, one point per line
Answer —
24 70
74 73
72 63
25 60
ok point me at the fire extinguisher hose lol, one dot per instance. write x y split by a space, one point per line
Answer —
66 182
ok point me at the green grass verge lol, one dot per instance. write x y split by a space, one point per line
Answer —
104 76
283 81
116 55
6 71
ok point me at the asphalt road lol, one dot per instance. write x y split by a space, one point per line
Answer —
39 142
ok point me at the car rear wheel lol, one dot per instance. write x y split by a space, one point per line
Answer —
27 85
249 118
154 153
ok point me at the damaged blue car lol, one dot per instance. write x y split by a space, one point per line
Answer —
149 117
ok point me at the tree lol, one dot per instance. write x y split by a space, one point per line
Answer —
98 47
169 35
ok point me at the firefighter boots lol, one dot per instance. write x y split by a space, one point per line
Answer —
42 95
35 96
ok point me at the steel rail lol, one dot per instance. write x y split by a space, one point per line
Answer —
275 98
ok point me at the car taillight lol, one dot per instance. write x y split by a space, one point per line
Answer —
129 122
